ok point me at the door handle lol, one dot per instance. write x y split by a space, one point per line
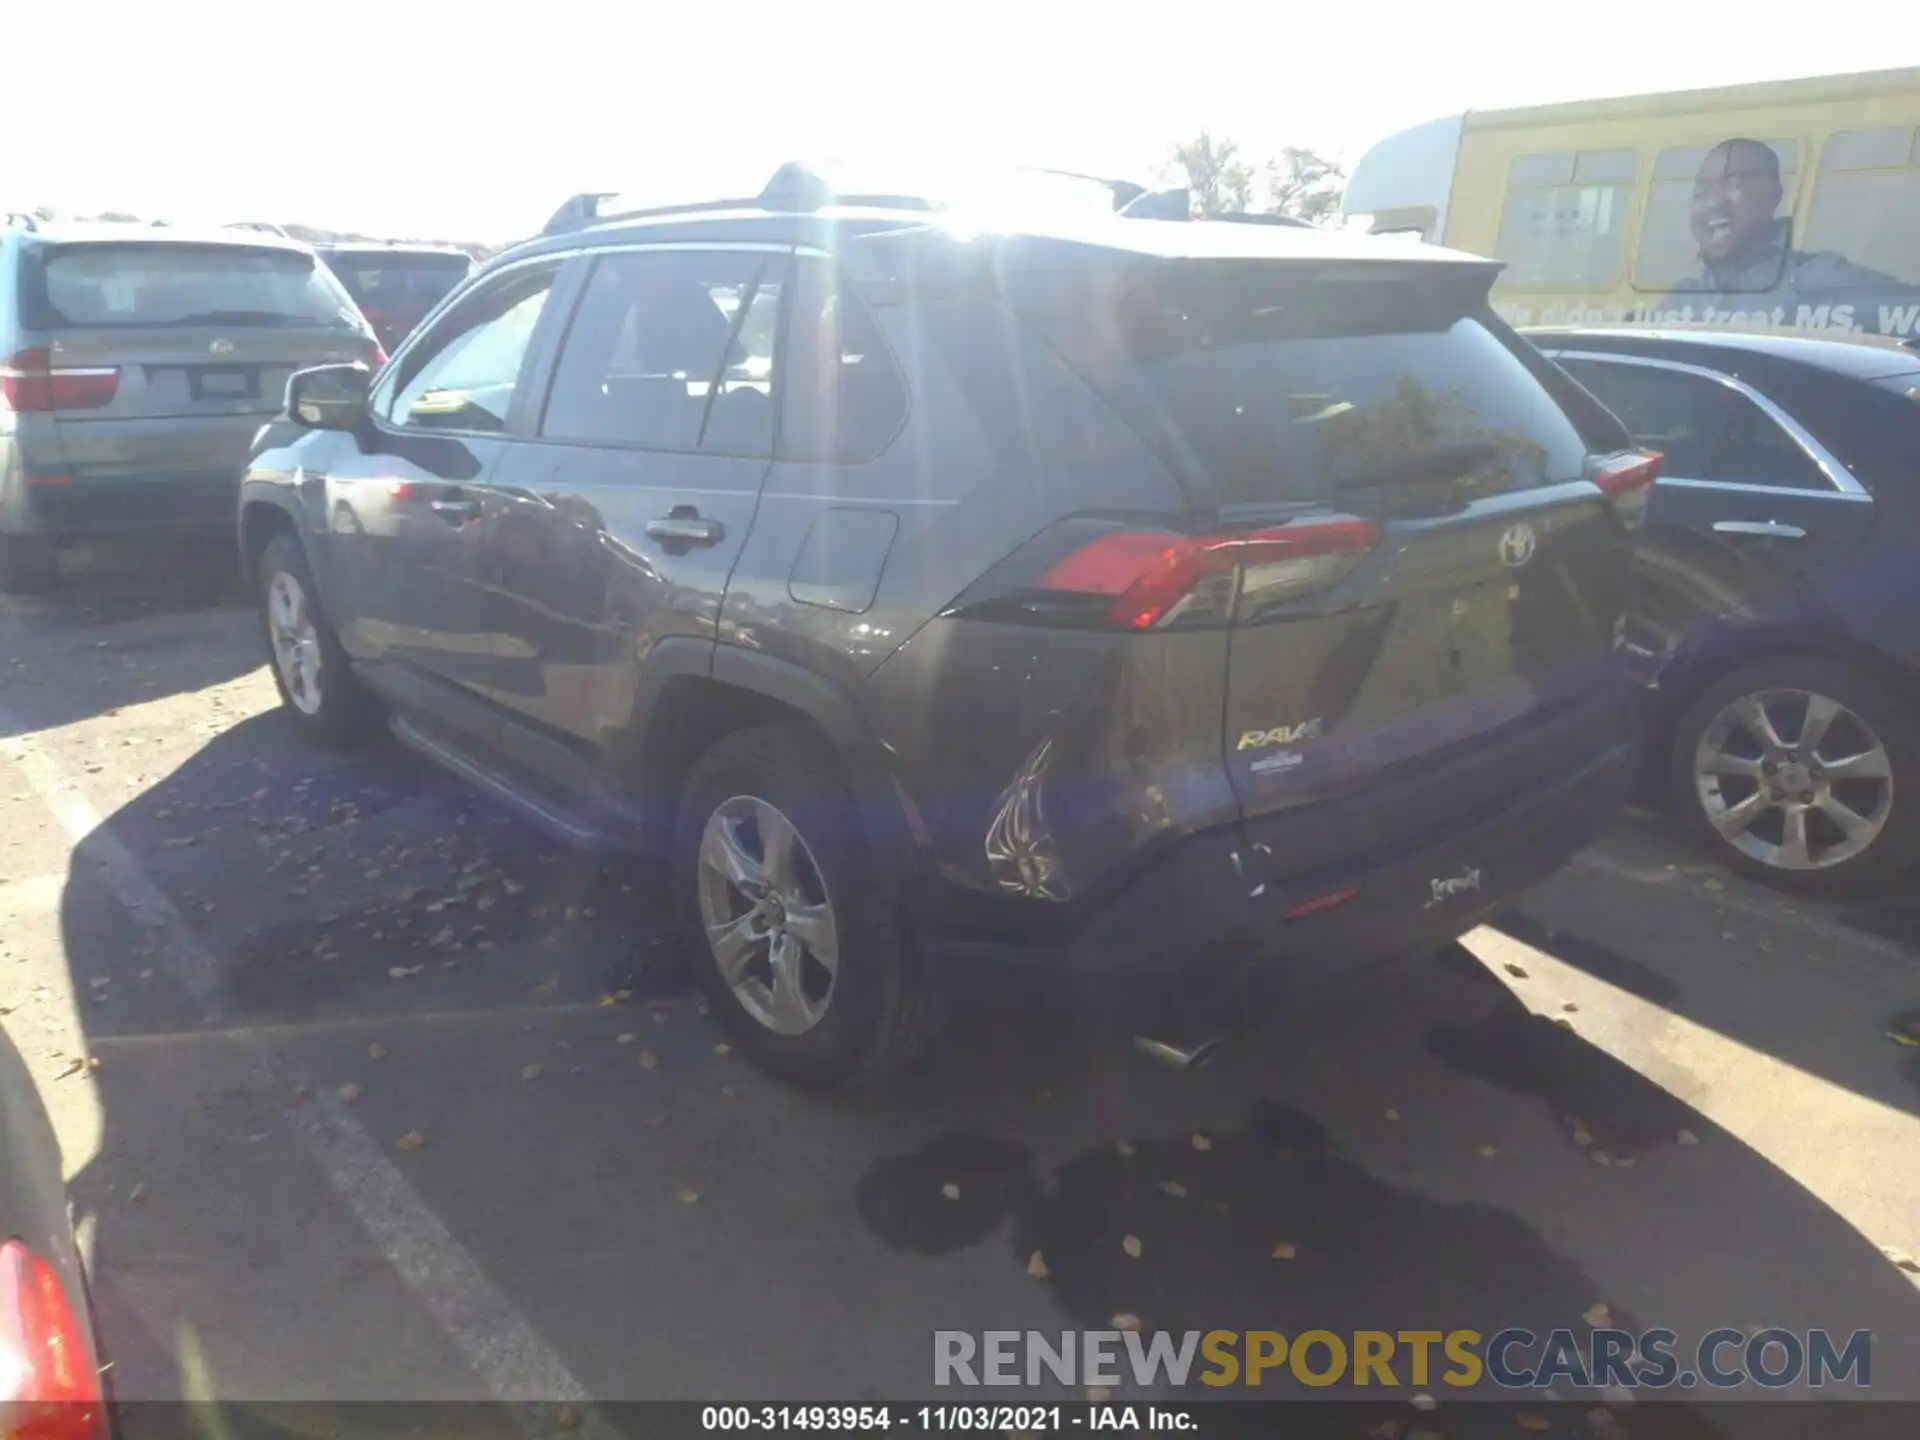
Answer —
685 530
1769 529
457 509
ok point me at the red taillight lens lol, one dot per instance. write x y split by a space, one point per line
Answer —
49 1388
1154 574
379 356
1618 474
28 381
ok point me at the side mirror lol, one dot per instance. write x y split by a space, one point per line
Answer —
329 397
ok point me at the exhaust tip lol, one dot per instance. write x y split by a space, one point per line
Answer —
1178 1057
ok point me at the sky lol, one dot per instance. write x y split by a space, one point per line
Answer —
475 121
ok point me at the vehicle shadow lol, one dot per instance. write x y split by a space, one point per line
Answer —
657 1210
128 623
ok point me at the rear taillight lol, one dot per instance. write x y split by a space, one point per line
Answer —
1625 479
30 381
1619 474
379 356
49 1387
1155 577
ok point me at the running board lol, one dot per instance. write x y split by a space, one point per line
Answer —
535 808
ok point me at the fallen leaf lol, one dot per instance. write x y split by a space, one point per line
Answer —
625 1037
1488 1150
1764 945
376 1051
1174 1188
1711 884
1125 1320
607 1000
649 1060
531 1072
1392 1114
348 1092
1519 972
1900 1039
950 1190
1202 1141
1900 1258
1601 1157
139 1189
1687 1137
1131 1244
723 1048
411 1141
1123 1147
1538 1424
1037 1266
100 981
1285 1250
688 1197
1582 1138
1597 1315
549 985
401 972
1728 935
623 996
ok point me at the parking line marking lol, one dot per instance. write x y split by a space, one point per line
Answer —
505 1352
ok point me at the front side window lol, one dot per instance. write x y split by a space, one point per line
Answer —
671 350
1563 220
464 375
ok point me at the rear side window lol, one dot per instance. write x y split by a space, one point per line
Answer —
1293 383
398 284
161 285
845 397
671 350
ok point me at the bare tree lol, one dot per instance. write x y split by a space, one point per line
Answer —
1218 181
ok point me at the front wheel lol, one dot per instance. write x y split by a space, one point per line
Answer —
1801 772
309 667
794 927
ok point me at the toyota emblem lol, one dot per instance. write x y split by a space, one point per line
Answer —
1516 546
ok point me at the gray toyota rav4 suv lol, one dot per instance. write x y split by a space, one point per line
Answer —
136 366
1115 595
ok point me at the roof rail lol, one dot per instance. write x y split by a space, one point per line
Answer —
792 188
262 226
21 220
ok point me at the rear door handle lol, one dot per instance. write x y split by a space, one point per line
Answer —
685 530
1769 529
460 509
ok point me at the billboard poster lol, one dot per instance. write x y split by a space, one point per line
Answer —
1718 244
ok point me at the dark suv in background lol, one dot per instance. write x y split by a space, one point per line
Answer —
1113 596
136 366
395 285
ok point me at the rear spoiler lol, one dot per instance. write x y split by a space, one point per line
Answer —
1137 202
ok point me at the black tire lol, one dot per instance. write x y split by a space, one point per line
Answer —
1890 718
28 564
346 713
883 1010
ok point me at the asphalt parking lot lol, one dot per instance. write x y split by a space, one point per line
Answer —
368 1092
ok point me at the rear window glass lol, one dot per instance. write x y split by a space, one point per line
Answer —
185 285
410 283
1307 383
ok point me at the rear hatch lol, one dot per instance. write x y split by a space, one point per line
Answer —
1396 519
395 289
162 358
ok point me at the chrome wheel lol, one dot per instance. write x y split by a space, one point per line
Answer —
296 642
1794 779
770 924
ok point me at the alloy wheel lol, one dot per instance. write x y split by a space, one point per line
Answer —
1794 779
296 642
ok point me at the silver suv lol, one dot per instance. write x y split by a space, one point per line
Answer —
135 368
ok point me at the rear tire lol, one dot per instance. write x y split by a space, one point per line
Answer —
1856 788
315 679
28 564
766 833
